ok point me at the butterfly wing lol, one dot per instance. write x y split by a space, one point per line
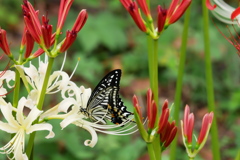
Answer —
105 103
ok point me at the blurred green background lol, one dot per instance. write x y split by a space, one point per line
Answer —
111 40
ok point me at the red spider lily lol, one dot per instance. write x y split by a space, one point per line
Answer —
143 5
151 109
188 123
235 13
3 42
62 13
72 35
29 44
40 33
176 10
163 117
210 6
137 106
207 122
187 131
168 134
132 8
46 32
31 21
162 13
167 130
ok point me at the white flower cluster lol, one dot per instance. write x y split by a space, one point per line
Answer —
74 99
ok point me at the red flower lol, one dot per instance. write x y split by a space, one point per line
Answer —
188 123
143 5
3 42
62 13
166 129
210 6
29 44
41 33
176 10
207 122
187 129
168 134
132 8
31 21
162 13
151 109
72 35
46 32
137 107
235 13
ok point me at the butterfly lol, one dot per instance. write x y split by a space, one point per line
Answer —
105 103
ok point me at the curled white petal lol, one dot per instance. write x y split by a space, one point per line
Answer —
66 104
41 127
93 141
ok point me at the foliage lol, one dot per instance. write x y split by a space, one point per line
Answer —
109 35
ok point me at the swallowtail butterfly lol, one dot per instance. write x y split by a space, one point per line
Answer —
105 103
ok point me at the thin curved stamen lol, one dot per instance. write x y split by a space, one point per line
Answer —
74 70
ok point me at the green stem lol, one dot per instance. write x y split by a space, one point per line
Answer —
153 66
151 151
157 147
29 149
155 71
178 92
209 84
45 83
16 89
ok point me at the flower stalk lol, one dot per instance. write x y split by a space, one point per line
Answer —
209 83
160 132
179 84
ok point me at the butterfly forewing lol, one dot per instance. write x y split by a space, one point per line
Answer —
105 103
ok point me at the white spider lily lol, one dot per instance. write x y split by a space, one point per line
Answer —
77 99
6 76
20 126
35 77
223 12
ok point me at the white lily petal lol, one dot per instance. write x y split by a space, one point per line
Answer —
41 127
3 102
9 76
7 113
60 84
70 119
50 112
8 128
34 95
32 116
93 142
66 104
19 115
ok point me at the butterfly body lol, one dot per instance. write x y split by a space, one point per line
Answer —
105 103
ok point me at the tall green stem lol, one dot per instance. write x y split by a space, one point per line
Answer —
29 149
209 84
16 89
153 66
151 151
178 92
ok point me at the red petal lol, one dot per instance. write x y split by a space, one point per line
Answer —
235 13
209 6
